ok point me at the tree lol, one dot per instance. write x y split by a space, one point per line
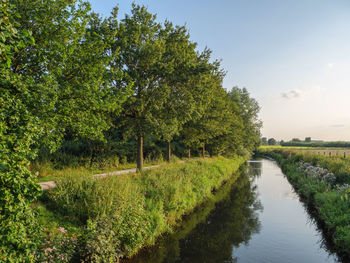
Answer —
54 79
248 110
18 189
206 124
69 65
217 123
179 67
308 139
158 60
271 141
264 141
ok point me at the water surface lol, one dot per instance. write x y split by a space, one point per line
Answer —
258 218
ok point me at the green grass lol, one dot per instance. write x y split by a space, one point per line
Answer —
45 172
122 214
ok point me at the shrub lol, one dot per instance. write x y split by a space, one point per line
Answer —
56 246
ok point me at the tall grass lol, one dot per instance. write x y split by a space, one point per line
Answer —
47 171
127 212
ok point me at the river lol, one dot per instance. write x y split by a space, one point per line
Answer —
258 218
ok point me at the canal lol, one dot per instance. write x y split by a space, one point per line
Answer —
257 218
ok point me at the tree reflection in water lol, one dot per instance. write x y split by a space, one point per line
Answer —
212 233
255 168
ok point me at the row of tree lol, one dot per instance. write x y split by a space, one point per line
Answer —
68 73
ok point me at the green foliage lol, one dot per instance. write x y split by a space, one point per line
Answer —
127 212
78 90
18 228
17 185
57 246
70 65
248 109
271 141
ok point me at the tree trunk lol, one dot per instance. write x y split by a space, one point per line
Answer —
168 153
189 152
140 152
203 150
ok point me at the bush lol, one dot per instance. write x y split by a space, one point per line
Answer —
56 246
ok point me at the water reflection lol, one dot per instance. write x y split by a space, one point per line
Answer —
258 218
255 168
286 234
210 234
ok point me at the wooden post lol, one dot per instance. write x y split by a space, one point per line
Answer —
330 153
344 155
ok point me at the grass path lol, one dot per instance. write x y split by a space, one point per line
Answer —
51 184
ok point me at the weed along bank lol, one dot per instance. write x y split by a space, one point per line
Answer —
115 217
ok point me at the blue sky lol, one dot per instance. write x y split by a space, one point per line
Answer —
292 55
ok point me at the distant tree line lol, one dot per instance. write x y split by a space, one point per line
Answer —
304 143
270 141
316 144
75 83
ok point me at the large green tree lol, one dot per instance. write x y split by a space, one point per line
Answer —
70 66
180 83
210 105
141 44
248 110
55 78
17 132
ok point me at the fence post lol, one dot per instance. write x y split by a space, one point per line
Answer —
344 155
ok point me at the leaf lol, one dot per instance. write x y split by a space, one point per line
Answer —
31 40
8 62
25 33
21 44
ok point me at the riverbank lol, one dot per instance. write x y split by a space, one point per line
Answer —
323 183
167 247
122 214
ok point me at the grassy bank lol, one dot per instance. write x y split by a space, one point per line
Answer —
324 184
235 204
122 214
47 171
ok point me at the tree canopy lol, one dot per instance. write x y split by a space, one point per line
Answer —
125 86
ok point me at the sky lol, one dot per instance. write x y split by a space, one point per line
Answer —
293 56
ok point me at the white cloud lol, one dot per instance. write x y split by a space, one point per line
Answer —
297 93
330 65
292 94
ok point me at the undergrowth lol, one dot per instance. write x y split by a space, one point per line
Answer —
125 213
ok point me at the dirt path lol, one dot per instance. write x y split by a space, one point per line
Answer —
51 184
